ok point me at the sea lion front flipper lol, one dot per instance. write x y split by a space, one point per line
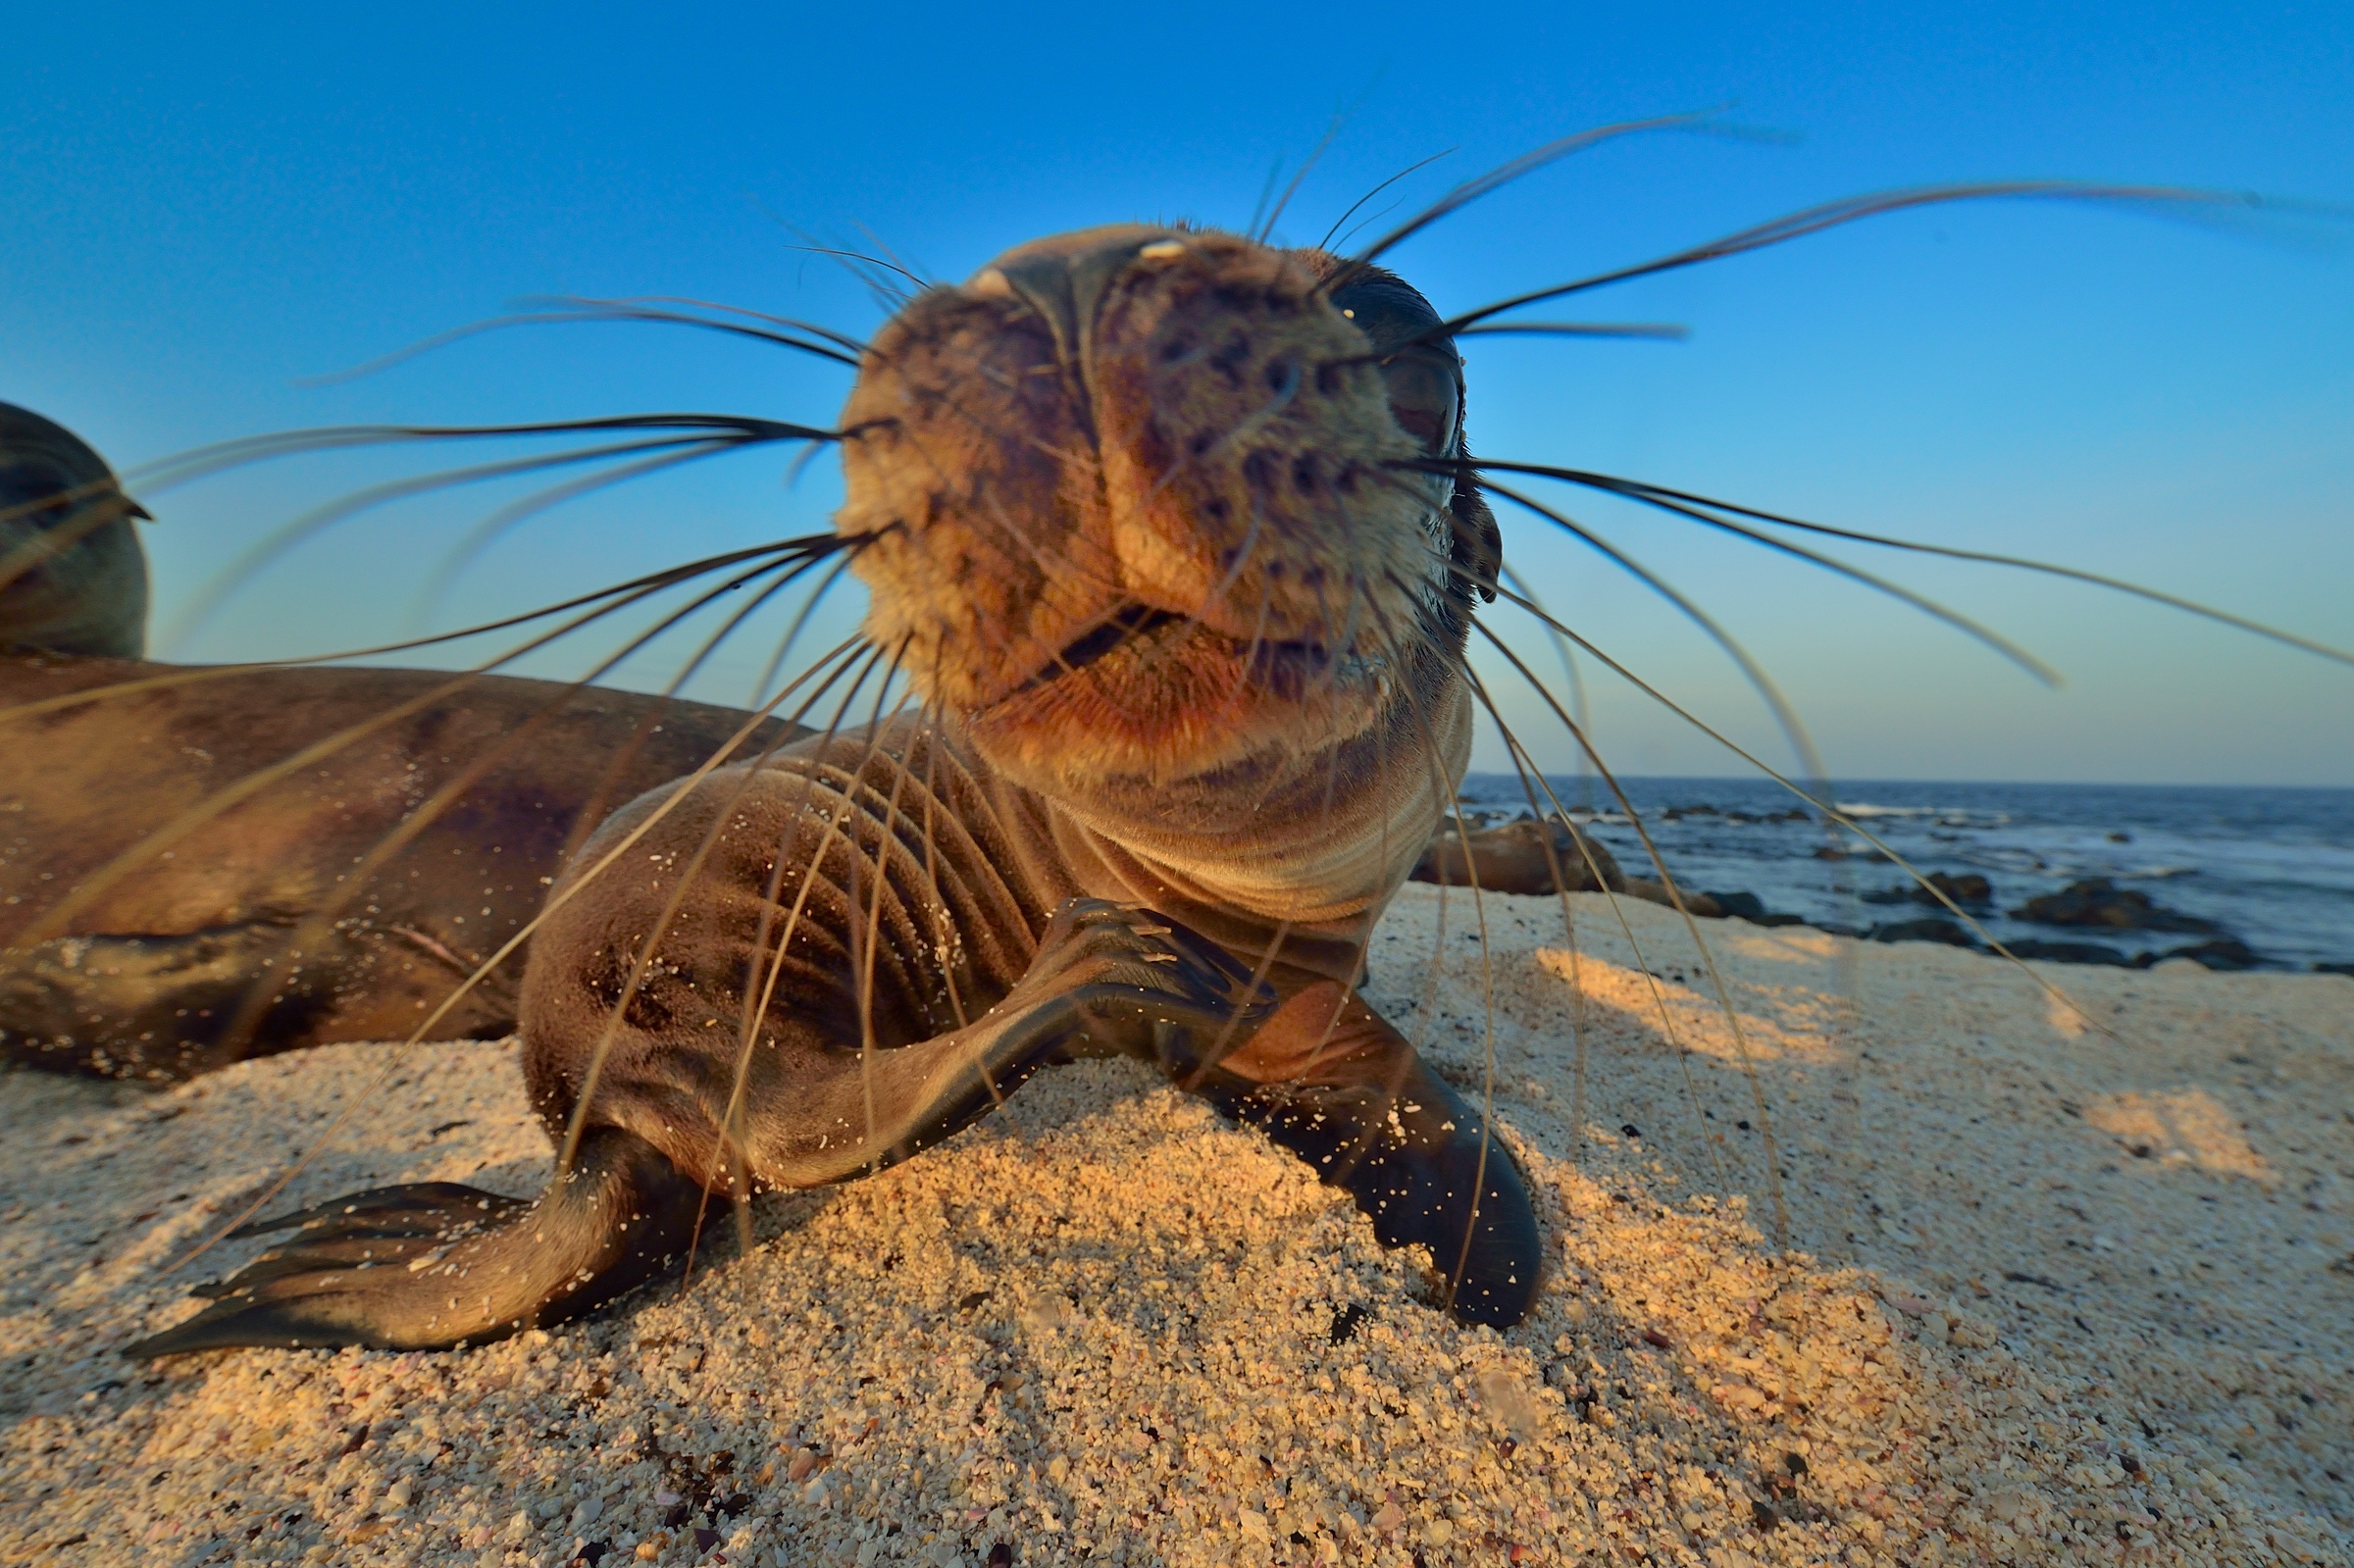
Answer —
1350 1096
431 1264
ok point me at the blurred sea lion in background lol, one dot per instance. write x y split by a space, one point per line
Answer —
343 900
73 574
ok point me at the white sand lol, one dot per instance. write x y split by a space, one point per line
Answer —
2066 1293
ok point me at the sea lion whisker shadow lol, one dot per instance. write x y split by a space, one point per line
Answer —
1828 809
353 884
1686 504
669 577
1708 956
838 657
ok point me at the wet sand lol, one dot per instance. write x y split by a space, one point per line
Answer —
2058 1287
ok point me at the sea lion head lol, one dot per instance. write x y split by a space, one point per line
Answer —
73 574
1147 506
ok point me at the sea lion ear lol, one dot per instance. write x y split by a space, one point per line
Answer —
1478 541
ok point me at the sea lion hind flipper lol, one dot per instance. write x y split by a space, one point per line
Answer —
431 1264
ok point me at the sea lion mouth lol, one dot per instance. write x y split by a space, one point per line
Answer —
1285 669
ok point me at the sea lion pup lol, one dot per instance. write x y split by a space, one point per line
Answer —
342 902
73 574
1149 523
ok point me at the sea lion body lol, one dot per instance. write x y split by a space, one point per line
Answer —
1180 556
325 907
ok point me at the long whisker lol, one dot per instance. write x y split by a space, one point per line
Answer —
568 312
1471 190
1707 957
1828 809
1792 728
1420 164
1834 214
816 544
185 467
485 534
1260 232
239 571
1683 503
1669 332
1927 606
1683 1052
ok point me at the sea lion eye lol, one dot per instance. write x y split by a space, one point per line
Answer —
1424 396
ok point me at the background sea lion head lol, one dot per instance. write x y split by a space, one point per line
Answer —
73 573
1143 505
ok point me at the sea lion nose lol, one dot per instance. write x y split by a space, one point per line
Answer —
1065 278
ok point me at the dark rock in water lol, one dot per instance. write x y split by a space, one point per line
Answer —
1932 929
2333 969
2069 952
1830 928
2097 901
1512 859
1969 889
1656 892
2121 838
1680 813
2226 952
1751 908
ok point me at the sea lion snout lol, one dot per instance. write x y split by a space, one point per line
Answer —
1148 502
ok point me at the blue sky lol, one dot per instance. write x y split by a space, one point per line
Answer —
208 207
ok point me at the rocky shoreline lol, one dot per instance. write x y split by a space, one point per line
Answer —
1529 855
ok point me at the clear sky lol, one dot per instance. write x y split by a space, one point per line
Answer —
205 206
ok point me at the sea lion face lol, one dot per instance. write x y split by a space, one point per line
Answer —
1138 505
73 574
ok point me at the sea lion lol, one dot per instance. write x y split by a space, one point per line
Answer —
342 902
1172 533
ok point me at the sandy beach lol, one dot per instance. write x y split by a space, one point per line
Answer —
2059 1287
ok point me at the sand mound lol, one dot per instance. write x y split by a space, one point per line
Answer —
2059 1291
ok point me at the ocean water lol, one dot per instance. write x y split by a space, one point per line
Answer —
2274 868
